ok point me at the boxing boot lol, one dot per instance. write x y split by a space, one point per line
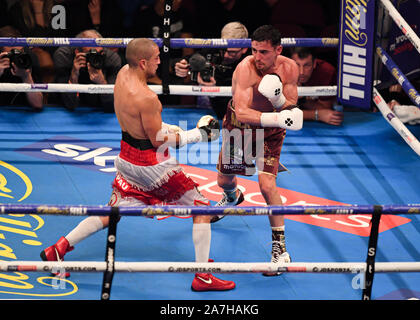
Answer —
56 252
277 255
208 282
226 201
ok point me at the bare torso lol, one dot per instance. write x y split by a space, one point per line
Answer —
133 103
246 79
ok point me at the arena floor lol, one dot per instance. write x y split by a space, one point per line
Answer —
362 162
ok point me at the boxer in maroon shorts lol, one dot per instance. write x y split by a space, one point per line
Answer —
264 94
257 145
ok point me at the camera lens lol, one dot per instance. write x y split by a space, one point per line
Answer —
20 58
96 59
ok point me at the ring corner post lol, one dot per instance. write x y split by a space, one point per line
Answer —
355 53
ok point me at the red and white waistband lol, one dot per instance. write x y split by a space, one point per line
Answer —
139 157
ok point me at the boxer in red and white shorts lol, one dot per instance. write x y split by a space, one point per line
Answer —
147 177
146 174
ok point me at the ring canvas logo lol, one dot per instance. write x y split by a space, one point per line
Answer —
14 184
17 233
93 156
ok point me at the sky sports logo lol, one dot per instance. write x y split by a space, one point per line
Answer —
72 151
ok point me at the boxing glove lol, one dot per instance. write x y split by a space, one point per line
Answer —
272 88
165 131
287 119
170 128
210 126
208 129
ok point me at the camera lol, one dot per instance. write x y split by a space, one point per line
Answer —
20 58
95 58
203 65
208 65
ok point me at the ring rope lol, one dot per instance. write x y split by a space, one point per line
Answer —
396 123
222 91
399 76
204 210
402 24
174 42
409 89
216 267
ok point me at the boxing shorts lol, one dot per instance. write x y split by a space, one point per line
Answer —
146 176
246 148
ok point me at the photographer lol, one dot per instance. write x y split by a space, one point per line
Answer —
211 68
16 67
87 65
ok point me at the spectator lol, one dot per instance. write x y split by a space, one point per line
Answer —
76 66
316 72
228 60
16 66
33 19
105 16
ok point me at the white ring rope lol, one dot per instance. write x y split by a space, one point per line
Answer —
223 91
214 267
389 116
396 123
402 24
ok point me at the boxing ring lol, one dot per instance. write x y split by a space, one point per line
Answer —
338 150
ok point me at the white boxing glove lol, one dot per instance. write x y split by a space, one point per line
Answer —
208 129
167 131
287 119
170 128
272 88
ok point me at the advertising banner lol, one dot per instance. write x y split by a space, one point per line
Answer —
355 55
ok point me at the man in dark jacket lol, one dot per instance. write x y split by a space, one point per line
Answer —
87 65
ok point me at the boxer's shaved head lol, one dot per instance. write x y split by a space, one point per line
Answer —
140 48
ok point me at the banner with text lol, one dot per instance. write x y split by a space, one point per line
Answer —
400 48
355 55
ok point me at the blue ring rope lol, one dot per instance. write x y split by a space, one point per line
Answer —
174 42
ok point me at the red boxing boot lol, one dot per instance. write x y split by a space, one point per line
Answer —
208 282
56 252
